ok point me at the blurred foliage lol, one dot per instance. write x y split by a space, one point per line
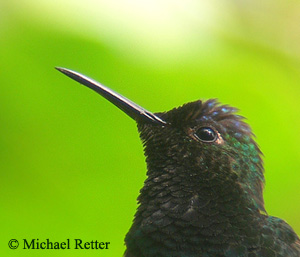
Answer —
72 164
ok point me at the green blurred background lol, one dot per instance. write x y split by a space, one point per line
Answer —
72 164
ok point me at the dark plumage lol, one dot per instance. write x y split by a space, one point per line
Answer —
203 192
205 198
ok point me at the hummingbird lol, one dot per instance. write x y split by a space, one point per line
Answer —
203 195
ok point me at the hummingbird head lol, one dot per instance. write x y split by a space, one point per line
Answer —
201 140
207 140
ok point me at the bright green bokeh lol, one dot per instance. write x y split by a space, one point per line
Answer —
72 164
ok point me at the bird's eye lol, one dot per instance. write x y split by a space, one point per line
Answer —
206 134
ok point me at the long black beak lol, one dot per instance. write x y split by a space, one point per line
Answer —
130 108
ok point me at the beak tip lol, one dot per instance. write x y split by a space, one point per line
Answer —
72 74
62 70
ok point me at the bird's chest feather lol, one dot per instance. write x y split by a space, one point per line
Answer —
173 217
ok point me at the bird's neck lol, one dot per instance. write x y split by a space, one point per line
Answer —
206 206
176 204
205 191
